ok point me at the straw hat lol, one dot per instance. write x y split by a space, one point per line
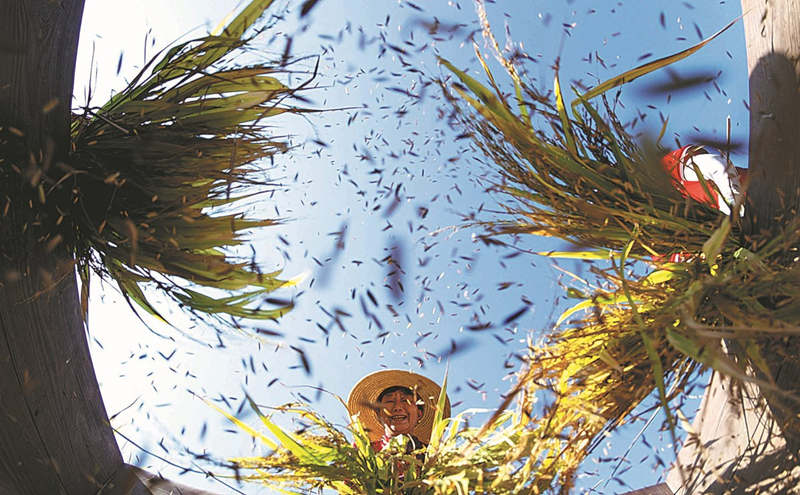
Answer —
364 397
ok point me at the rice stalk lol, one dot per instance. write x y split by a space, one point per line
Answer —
319 455
154 191
650 326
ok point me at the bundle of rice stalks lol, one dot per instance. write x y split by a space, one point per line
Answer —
153 190
459 458
654 332
646 325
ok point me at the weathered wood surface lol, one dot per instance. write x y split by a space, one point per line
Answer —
159 486
54 433
772 33
659 489
734 446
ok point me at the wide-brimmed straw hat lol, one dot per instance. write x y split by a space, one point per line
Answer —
363 400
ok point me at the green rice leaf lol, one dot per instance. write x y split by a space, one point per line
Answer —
599 301
438 423
565 123
649 67
713 246
244 426
660 277
486 97
600 254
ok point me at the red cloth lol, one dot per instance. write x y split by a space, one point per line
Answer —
677 165
380 444
720 177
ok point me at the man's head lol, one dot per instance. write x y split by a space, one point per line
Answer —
400 409
404 401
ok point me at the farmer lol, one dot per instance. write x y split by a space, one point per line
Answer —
722 188
396 402
723 180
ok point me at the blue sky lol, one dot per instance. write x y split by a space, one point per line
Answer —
392 179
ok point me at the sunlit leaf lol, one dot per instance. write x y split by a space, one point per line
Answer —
649 67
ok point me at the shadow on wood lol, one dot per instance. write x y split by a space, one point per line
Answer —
160 486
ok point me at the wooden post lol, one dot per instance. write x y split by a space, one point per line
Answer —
659 489
772 34
54 433
734 446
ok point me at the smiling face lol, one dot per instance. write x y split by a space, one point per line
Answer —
399 410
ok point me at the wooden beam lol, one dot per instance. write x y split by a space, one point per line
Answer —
54 432
659 489
160 486
734 446
772 34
